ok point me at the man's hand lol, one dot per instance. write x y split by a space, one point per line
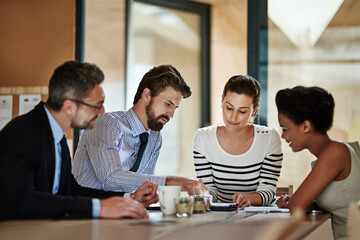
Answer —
120 207
192 186
195 187
146 194
283 201
241 200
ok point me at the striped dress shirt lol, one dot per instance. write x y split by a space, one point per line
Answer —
255 171
107 152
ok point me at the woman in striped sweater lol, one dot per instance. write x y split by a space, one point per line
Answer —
238 161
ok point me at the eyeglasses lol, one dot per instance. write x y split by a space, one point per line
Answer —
89 105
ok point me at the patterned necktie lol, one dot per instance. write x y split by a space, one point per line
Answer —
65 164
144 139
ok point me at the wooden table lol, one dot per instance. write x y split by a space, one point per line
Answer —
215 225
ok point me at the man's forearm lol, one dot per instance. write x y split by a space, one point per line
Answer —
126 181
192 186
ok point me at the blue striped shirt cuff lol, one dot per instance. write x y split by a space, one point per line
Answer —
159 180
96 207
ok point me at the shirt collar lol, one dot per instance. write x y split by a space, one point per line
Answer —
55 127
136 125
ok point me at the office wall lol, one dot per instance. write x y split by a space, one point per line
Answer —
35 37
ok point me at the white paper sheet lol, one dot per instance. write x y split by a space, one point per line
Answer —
27 102
6 104
265 209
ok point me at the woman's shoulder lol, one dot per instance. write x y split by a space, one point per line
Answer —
204 137
264 130
336 151
337 147
335 159
207 130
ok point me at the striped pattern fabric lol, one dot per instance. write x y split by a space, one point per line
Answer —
107 152
256 171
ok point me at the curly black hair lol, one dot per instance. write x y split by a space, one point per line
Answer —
301 103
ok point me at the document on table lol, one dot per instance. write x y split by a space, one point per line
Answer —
265 209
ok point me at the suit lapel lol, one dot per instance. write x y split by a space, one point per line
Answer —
42 118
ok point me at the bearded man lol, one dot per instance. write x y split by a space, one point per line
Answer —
121 151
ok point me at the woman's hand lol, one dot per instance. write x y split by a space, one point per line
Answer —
241 199
283 201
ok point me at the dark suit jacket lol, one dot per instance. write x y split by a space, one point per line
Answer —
27 165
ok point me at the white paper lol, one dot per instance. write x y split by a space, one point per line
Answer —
27 102
265 209
6 103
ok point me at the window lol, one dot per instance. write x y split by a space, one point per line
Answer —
315 43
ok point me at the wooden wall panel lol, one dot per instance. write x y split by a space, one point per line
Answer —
36 36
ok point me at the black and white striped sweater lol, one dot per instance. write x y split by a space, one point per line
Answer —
256 170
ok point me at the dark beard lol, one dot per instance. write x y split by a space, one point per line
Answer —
154 122
74 125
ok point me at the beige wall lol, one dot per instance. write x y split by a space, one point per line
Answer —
228 47
105 37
